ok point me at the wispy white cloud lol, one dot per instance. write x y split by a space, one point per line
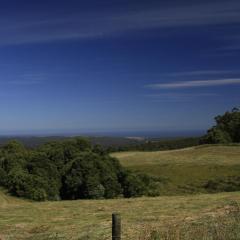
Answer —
32 28
199 73
181 95
173 96
194 84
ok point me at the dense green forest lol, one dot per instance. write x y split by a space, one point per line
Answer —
70 169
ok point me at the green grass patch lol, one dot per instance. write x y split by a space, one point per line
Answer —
186 170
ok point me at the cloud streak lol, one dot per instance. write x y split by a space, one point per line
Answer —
195 84
176 97
181 95
200 73
33 28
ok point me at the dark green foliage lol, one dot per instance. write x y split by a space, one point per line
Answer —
216 135
3 177
70 169
91 176
133 185
226 130
42 167
137 184
13 155
152 184
26 185
228 184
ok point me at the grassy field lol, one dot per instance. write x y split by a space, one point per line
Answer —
91 219
186 170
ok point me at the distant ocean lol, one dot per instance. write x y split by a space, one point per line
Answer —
129 134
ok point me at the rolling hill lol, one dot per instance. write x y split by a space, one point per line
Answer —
186 170
91 219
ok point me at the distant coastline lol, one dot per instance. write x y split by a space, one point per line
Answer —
125 134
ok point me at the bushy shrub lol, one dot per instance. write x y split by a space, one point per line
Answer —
27 185
227 184
91 176
135 184
216 135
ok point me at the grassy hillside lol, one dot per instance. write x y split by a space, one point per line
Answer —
185 170
91 219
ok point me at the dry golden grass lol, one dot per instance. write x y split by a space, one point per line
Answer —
223 225
91 219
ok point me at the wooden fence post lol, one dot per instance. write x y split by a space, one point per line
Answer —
116 226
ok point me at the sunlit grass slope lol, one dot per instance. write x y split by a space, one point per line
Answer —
185 170
91 219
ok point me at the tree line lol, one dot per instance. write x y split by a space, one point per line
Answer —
70 169
158 145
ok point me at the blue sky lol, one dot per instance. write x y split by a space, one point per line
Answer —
80 66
